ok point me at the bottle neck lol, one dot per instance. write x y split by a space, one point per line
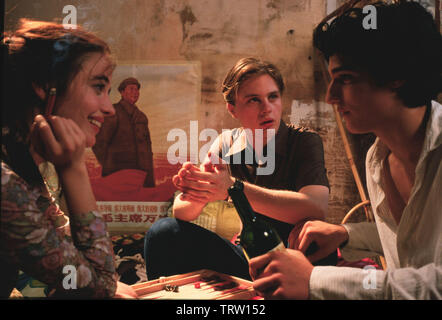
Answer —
242 205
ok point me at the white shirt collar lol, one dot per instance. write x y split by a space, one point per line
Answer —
433 138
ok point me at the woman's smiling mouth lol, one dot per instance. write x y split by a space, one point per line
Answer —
96 123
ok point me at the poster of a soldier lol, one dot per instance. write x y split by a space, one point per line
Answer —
129 169
124 139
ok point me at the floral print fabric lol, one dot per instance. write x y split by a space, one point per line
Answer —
36 237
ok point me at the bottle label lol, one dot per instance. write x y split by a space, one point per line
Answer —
279 247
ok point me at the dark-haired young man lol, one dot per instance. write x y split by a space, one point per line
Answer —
384 81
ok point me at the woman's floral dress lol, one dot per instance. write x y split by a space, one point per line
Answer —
73 256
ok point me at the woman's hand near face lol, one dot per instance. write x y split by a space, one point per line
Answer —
60 141
63 144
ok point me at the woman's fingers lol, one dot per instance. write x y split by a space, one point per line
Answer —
77 134
43 137
59 129
60 140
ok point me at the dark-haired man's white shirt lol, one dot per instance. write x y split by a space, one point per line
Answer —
412 249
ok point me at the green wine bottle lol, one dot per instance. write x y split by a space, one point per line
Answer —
257 237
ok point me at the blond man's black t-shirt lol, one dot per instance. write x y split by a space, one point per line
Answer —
298 162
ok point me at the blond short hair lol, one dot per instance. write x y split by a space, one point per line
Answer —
245 69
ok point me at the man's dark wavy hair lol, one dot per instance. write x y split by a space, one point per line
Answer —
406 46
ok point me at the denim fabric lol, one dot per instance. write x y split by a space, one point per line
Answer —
174 247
